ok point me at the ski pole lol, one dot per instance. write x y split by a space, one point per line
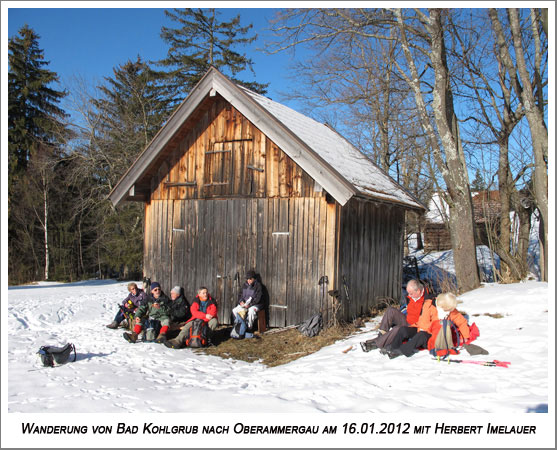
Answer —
494 363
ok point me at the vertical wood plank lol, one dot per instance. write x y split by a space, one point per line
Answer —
330 246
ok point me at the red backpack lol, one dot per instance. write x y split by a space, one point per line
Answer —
446 339
197 337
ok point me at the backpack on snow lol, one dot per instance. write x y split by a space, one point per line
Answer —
198 334
313 326
51 356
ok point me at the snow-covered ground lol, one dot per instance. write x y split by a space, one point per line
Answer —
112 376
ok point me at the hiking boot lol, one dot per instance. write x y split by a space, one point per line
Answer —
161 339
113 325
124 324
131 337
369 345
394 353
172 343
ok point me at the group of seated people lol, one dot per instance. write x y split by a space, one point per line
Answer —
168 320
400 333
405 333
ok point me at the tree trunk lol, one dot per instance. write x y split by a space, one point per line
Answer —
503 247
538 131
524 214
45 227
452 165
461 221
533 111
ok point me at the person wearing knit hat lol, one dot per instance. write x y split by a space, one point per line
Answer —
249 300
179 310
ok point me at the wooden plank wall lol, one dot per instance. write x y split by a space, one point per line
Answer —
289 242
225 155
371 252
228 200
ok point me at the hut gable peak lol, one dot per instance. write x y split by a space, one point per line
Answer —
326 156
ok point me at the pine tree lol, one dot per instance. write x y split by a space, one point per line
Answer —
204 41
34 116
35 133
131 110
478 183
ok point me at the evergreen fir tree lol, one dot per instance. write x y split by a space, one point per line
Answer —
132 108
204 41
478 183
34 116
35 135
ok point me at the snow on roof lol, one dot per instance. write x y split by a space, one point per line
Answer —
348 161
438 209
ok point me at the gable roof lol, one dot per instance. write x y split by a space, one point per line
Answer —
341 169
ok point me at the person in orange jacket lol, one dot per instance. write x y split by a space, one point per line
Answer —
416 335
393 319
203 307
446 307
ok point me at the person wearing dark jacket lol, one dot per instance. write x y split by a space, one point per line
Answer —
393 319
155 313
178 307
249 300
203 307
179 310
134 300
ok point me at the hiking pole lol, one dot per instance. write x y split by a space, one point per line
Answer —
347 296
323 281
494 363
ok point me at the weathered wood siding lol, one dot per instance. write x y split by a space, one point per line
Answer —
371 252
226 199
225 155
290 242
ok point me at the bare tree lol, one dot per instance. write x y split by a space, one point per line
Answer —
498 112
443 132
527 82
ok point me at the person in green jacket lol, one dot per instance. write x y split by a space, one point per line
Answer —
153 314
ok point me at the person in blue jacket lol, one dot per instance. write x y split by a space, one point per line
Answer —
249 300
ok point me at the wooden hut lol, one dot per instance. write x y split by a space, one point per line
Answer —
487 217
235 181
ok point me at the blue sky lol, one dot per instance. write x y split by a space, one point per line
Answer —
90 42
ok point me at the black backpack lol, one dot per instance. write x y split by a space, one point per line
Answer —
312 327
197 337
51 356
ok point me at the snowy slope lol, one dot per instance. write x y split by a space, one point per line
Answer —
112 376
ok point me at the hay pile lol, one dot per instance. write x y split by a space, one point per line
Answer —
277 347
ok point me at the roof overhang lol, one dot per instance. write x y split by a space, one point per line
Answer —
214 82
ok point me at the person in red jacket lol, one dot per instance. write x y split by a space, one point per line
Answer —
203 307
393 319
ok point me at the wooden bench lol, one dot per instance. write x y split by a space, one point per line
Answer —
261 321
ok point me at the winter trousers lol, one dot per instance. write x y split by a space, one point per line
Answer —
252 314
416 340
181 338
119 317
391 323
